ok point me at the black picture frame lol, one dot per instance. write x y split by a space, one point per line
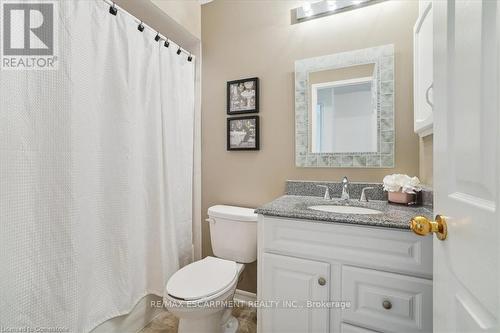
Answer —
256 134
232 111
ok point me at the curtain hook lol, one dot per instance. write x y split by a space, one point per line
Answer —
112 9
179 50
157 37
167 43
190 57
140 27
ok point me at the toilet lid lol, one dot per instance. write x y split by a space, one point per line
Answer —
233 213
202 278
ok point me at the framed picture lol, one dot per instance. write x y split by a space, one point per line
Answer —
243 96
243 133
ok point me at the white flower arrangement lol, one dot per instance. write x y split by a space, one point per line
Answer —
402 183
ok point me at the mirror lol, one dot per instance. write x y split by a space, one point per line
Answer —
344 109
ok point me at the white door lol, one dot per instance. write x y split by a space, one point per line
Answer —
467 165
291 282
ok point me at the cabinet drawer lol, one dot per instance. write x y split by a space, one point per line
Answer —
346 328
385 249
387 302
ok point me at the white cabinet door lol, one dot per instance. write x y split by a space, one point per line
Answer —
423 70
467 165
286 280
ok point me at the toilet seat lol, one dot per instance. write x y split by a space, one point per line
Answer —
202 279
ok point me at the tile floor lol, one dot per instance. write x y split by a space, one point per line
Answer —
167 323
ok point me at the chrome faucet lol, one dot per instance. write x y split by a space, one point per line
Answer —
345 189
363 197
327 192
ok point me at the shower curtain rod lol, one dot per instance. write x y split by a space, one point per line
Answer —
113 9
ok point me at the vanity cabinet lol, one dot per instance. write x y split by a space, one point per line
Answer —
423 70
361 279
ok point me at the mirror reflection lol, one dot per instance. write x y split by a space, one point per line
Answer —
343 110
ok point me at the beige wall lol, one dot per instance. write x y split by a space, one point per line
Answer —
255 38
186 12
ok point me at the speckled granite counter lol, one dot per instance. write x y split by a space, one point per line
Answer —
392 216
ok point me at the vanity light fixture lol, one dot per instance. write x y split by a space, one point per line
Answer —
332 5
314 9
307 9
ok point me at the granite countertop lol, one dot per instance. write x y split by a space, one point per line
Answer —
295 206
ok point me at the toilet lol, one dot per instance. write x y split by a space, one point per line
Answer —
197 293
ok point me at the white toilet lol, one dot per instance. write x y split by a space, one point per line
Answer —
197 293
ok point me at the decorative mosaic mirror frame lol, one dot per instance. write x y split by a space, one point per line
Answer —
383 58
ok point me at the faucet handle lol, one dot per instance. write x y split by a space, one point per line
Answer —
345 189
363 197
327 192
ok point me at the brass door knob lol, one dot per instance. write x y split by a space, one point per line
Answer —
321 281
422 226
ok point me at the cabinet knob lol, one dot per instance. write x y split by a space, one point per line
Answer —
387 304
321 281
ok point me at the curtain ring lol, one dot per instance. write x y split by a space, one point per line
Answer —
112 9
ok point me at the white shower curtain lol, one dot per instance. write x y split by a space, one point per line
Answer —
95 173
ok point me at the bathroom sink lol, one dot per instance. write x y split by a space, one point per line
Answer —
345 209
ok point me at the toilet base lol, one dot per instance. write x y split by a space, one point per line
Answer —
230 325
204 324
219 322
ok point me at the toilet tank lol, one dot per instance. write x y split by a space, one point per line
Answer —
233 232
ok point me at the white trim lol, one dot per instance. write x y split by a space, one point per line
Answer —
244 297
348 82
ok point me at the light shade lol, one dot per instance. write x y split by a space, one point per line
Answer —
315 9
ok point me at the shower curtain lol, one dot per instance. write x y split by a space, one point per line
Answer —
96 162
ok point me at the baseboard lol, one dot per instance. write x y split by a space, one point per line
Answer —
142 314
244 297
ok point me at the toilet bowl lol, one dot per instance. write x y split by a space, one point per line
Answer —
199 293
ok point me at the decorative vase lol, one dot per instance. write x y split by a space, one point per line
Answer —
401 197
